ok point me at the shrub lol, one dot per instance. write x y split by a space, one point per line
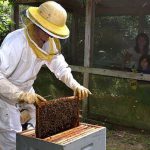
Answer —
5 19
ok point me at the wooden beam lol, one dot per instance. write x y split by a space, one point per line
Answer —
124 3
71 3
29 1
111 73
89 30
16 16
41 1
121 11
70 6
122 7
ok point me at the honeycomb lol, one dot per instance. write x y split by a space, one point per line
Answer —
56 116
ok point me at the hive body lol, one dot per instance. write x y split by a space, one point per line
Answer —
58 128
83 137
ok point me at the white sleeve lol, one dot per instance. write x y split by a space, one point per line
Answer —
61 70
9 58
10 55
9 91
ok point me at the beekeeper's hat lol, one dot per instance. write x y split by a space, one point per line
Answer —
50 17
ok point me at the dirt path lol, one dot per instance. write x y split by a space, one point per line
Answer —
127 140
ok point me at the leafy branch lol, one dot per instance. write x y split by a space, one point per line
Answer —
5 19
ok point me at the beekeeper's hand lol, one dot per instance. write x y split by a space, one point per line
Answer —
81 92
24 116
30 98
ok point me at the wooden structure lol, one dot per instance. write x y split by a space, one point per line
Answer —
92 9
83 137
56 116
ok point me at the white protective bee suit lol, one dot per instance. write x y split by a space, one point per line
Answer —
19 67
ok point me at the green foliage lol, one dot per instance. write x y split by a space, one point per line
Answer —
11 2
5 20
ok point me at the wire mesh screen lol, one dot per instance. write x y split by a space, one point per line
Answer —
119 101
73 47
113 35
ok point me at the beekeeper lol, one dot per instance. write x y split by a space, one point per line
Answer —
22 54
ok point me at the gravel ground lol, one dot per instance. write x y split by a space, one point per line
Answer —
128 140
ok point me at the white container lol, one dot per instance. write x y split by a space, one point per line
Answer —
84 137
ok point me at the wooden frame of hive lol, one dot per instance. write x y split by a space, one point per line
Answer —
56 116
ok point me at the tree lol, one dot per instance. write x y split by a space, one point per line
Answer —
5 19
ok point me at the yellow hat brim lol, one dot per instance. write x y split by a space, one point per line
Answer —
61 31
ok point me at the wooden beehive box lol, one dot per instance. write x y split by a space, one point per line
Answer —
58 128
83 137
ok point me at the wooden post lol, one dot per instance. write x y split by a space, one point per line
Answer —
89 29
16 16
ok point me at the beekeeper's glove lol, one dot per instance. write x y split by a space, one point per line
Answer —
81 92
15 95
30 98
24 116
